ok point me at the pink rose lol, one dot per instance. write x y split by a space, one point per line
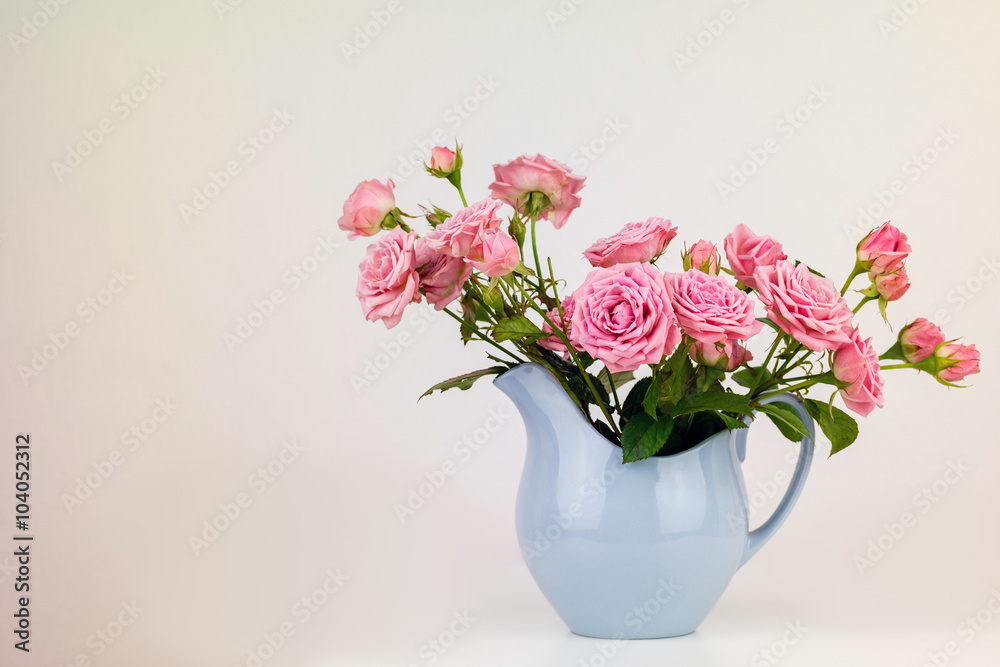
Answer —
456 235
388 280
892 286
919 339
856 362
883 250
955 362
441 276
623 317
805 306
554 342
710 310
724 356
636 242
494 253
703 256
366 208
746 252
443 159
517 180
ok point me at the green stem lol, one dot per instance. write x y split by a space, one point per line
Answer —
461 193
534 251
893 367
614 390
510 295
555 288
788 363
576 359
763 366
858 270
488 340
863 302
793 388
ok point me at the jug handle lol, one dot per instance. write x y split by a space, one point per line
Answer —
766 531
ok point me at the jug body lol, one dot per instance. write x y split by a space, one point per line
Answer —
636 550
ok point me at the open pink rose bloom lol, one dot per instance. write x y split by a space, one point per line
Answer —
652 344
623 317
516 180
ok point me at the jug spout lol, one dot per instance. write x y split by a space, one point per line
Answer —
545 407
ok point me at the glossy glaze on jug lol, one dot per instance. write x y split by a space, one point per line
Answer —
637 550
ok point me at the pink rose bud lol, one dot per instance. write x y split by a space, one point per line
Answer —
437 216
856 363
442 276
622 316
388 280
636 242
366 208
554 342
919 339
883 250
516 182
443 160
703 256
727 357
495 253
955 362
747 252
892 286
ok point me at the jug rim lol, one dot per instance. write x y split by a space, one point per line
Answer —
707 441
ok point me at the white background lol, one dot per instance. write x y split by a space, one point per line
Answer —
556 86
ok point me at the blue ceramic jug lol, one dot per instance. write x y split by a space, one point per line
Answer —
637 550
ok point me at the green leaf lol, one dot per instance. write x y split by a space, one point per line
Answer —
463 382
837 425
713 400
569 374
517 327
771 324
633 402
469 307
644 436
616 379
786 419
606 431
680 370
733 423
652 396
811 270
700 427
745 377
492 296
482 313
603 396
524 270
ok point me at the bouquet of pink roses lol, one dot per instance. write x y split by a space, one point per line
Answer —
685 332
